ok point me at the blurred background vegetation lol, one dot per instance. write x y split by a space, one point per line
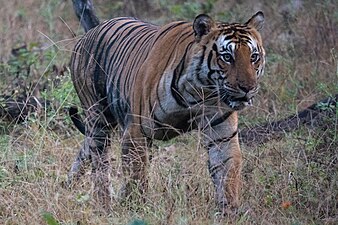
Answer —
300 38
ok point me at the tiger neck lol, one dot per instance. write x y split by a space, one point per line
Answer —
180 102
181 85
187 86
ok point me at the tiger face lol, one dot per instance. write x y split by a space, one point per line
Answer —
236 58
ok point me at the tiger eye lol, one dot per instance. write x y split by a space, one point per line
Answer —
227 57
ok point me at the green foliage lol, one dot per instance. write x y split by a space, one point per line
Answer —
3 175
49 219
4 148
21 62
61 93
21 12
28 65
189 10
48 12
138 222
326 106
30 68
82 197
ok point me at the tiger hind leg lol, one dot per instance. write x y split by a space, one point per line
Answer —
98 127
83 157
134 164
98 141
79 165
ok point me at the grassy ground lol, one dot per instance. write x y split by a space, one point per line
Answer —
293 180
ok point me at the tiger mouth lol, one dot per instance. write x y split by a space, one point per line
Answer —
239 103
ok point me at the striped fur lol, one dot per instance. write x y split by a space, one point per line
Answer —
156 82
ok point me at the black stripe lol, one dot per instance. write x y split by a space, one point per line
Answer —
140 53
199 67
157 122
220 119
97 32
214 169
158 98
117 59
178 70
211 71
99 77
128 55
164 32
176 76
221 140
116 39
188 33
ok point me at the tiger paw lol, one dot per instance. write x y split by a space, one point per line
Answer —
131 194
231 213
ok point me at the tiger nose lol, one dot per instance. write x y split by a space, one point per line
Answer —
245 89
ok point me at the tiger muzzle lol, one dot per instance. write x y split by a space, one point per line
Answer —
238 102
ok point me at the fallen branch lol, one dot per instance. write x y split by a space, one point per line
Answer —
17 110
313 116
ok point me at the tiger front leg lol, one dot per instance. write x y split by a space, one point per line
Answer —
225 163
134 164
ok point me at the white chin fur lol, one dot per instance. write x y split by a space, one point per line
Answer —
248 103
236 104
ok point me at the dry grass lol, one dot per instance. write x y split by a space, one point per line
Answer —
290 181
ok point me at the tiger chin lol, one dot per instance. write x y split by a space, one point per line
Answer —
157 82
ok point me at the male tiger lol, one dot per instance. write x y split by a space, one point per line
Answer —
156 82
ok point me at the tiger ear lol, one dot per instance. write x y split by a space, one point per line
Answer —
256 21
202 25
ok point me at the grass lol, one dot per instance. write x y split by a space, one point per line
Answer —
293 180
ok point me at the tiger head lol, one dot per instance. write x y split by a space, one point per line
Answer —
233 58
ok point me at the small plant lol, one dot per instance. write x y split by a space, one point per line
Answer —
49 219
23 60
138 222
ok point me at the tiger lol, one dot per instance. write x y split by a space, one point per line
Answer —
157 82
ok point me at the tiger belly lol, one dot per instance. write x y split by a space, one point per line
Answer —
170 127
